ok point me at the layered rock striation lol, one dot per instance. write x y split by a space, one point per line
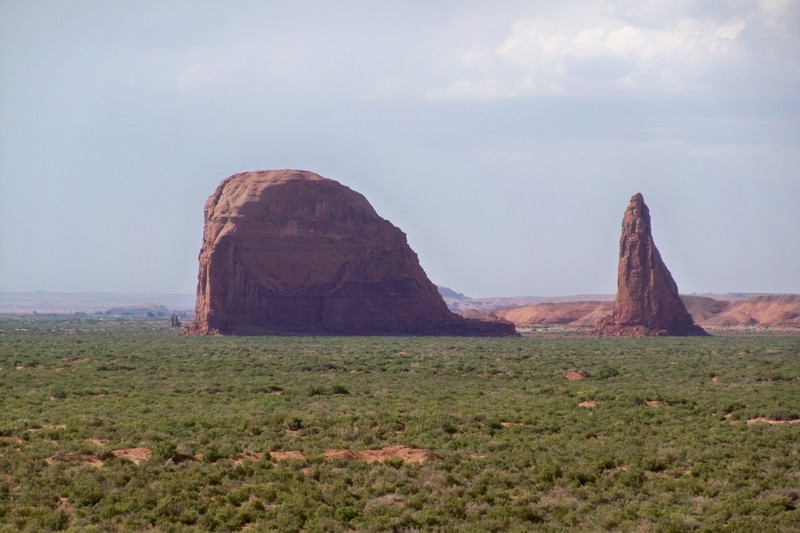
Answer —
647 301
291 252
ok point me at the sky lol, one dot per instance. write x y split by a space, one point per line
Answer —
505 138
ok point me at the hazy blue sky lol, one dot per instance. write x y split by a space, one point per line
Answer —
505 138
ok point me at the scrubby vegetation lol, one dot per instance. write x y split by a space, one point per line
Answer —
127 426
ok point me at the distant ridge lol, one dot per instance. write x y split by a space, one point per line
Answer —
449 293
708 309
89 302
456 301
776 310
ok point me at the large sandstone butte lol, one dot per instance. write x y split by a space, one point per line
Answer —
647 302
291 252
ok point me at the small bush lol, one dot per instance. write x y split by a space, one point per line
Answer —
339 389
608 372
164 451
212 455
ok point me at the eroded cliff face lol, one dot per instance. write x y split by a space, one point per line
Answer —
647 301
291 252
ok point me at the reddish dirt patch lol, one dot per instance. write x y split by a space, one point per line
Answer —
588 404
656 403
247 457
137 455
576 375
407 454
287 455
772 421
341 454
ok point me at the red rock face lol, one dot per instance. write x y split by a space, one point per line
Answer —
291 252
647 301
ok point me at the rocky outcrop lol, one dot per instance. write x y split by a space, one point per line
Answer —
780 311
647 302
549 313
291 252
776 310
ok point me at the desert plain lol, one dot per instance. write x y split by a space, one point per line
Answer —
119 423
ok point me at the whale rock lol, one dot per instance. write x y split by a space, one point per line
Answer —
291 252
647 301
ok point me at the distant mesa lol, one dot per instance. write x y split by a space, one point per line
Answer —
647 302
774 310
448 293
291 252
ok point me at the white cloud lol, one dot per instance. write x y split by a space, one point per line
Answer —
589 52
649 12
774 11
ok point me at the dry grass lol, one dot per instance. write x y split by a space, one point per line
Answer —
407 454
576 375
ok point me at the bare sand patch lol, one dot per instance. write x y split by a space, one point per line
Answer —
137 455
656 403
406 453
576 375
772 421
288 455
47 426
588 404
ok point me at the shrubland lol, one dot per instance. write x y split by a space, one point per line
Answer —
126 426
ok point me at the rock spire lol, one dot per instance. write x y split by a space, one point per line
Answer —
647 302
291 252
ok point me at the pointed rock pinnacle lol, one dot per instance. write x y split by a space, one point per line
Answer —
647 302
